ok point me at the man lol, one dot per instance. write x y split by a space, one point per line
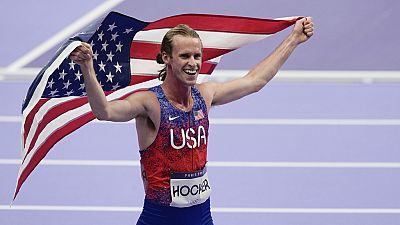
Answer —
172 120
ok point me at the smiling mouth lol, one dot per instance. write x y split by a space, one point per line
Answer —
190 72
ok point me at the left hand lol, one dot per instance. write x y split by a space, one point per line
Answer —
303 29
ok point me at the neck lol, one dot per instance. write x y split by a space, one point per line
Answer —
179 95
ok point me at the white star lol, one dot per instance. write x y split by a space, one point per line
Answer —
127 31
82 86
50 84
72 65
100 36
66 85
101 85
119 47
102 66
91 44
115 87
69 92
109 77
78 75
83 94
110 56
114 36
95 55
104 46
111 27
62 75
118 68
53 93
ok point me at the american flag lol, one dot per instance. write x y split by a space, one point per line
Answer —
198 115
124 59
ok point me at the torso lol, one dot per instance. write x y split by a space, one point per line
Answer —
176 142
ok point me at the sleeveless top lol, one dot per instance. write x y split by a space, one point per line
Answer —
180 146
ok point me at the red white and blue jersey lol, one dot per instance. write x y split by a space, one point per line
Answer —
180 146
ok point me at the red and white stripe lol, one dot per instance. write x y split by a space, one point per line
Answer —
47 121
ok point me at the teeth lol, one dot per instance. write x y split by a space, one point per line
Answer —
190 71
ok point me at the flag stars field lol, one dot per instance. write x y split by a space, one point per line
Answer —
69 92
66 84
78 75
115 87
62 75
104 46
102 66
100 38
110 56
114 36
72 65
53 93
117 68
119 47
50 84
109 77
111 27
95 55
127 31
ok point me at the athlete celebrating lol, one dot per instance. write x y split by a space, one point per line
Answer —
172 120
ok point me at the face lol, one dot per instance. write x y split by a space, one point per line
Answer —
185 61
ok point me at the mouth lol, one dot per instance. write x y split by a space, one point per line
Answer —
190 72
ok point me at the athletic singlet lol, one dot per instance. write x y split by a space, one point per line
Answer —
180 146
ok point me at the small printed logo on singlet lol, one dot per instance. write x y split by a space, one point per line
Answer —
198 115
171 118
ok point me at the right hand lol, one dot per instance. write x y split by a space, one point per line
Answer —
82 55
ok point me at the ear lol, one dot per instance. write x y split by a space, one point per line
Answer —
165 57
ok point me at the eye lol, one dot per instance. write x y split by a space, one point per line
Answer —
197 56
184 56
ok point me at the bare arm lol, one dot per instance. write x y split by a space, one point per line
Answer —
264 71
118 110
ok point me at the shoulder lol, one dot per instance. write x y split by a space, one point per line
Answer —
207 91
144 97
207 88
141 94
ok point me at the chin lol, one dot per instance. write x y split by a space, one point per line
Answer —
191 81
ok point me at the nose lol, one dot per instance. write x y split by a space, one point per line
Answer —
192 61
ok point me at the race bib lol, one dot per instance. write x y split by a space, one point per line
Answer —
188 189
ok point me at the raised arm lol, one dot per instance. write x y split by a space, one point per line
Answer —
263 72
117 110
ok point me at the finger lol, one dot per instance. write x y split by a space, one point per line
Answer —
86 45
76 54
308 25
73 55
309 34
301 21
79 56
305 21
309 19
307 30
84 49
